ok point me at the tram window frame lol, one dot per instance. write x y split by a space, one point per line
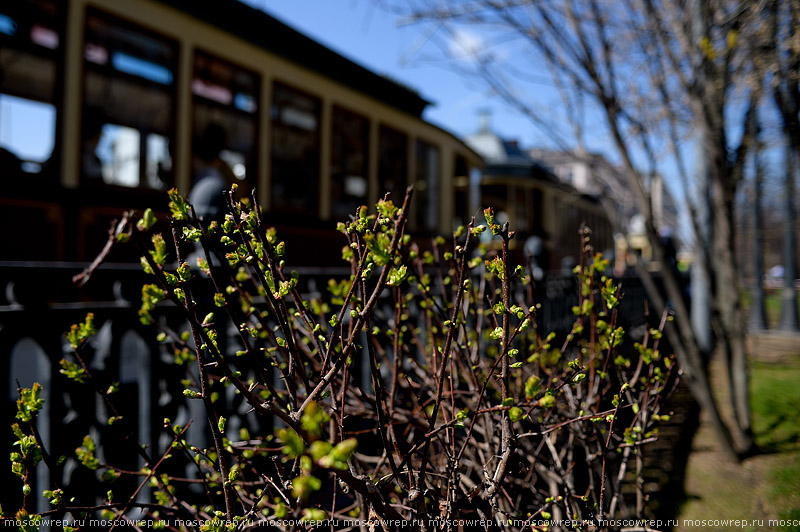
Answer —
310 204
108 71
339 149
25 18
251 159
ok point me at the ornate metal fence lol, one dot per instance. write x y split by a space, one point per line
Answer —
38 303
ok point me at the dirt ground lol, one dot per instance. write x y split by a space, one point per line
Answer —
718 488
774 347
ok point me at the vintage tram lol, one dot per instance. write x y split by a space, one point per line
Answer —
104 106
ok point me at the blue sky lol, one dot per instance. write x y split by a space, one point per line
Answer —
372 37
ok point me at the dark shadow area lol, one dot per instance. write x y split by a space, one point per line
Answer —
666 460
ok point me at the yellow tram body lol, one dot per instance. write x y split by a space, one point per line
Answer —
138 81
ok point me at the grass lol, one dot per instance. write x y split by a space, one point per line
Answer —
776 420
772 305
766 486
775 400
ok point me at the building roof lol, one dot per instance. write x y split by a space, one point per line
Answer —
269 33
604 179
504 157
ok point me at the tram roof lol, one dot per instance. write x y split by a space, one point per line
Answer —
264 30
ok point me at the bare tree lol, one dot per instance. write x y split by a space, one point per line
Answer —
659 76
778 37
781 39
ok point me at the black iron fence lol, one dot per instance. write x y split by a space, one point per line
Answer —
39 302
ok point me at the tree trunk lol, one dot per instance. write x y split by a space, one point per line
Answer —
701 283
728 314
789 318
690 355
682 338
758 315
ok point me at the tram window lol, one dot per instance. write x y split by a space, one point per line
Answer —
29 40
130 92
349 154
27 130
8 25
28 75
158 162
117 152
226 98
392 163
295 150
45 37
427 187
